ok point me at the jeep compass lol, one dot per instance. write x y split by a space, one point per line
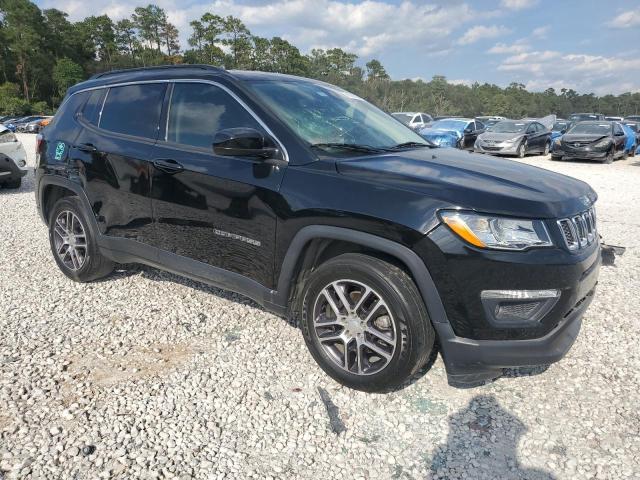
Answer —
323 208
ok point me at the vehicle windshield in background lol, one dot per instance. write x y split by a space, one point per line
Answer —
583 117
403 117
591 129
508 127
323 114
449 125
559 126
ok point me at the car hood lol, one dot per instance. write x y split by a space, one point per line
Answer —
475 181
437 132
580 137
499 137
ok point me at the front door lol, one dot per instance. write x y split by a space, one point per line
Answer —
219 210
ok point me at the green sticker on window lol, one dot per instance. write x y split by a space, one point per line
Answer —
59 151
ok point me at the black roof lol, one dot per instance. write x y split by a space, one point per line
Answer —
167 72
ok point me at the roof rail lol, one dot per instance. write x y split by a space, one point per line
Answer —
157 67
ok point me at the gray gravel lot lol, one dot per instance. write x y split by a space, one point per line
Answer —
148 375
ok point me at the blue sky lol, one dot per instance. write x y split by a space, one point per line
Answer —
590 46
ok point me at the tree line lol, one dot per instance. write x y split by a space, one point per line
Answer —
42 54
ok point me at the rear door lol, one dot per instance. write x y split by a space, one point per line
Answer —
219 210
113 152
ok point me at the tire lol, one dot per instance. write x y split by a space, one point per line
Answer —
556 158
404 333
547 148
522 149
633 151
13 183
88 263
609 158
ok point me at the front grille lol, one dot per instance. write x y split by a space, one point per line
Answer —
579 231
576 144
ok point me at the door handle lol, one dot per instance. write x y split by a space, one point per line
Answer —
168 165
86 147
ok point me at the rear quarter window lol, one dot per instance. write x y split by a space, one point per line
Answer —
133 109
91 110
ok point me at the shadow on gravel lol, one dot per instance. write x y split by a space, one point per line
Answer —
26 187
482 443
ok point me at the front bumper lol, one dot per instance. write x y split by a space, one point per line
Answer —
13 161
469 362
579 154
498 149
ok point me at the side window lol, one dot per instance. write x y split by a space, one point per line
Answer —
540 127
133 109
531 128
91 110
479 125
199 110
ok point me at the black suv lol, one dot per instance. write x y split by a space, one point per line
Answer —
323 208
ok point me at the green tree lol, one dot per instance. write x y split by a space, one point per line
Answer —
65 74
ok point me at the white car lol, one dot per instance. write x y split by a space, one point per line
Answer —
414 120
13 159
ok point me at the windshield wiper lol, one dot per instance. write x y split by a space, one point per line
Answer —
400 146
354 147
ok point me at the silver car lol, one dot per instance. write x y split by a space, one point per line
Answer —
515 138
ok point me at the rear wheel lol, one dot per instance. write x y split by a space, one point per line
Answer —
73 246
365 323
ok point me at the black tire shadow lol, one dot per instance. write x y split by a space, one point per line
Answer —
474 429
28 185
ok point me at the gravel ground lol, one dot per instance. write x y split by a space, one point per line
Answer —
148 375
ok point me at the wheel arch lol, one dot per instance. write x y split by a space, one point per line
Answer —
52 188
314 244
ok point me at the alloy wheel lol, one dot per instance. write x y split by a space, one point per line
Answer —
355 327
70 240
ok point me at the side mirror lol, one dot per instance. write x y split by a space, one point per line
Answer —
243 142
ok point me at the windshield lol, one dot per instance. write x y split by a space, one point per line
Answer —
456 125
591 129
509 127
559 126
403 117
322 114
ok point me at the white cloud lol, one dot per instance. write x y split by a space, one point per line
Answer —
480 32
518 4
502 48
584 73
540 32
629 19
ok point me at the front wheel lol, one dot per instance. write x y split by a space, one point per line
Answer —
365 323
609 158
522 149
73 246
547 147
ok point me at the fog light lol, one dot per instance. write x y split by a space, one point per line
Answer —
518 308
22 163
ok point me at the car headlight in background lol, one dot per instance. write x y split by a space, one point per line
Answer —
557 142
8 137
503 233
604 143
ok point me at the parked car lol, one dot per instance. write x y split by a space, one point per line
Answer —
13 159
21 125
559 128
613 119
632 118
414 120
594 140
490 122
630 143
515 138
490 118
36 125
583 117
453 132
324 209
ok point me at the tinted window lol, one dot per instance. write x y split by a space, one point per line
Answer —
479 125
617 129
198 111
91 110
133 109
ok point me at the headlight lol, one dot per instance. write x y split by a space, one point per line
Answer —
501 233
604 143
557 142
8 137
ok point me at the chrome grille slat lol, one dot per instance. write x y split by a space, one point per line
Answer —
579 231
